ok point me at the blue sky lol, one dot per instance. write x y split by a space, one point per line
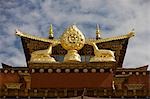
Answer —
116 17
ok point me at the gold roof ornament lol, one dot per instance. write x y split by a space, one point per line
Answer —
72 40
98 32
132 32
42 56
102 55
51 32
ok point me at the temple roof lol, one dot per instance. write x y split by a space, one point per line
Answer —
118 44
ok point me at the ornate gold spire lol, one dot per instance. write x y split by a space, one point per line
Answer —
98 32
51 32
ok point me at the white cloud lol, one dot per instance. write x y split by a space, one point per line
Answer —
116 17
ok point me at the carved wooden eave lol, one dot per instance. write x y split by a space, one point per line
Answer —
141 68
27 78
14 69
6 66
120 79
74 65
110 39
133 71
25 35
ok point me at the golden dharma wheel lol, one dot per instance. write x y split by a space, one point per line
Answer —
72 38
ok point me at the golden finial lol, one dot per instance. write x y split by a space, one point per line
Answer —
51 32
98 32
131 33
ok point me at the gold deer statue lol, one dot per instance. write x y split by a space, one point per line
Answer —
102 55
42 55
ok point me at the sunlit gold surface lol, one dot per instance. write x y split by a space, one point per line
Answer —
42 56
72 40
72 56
51 33
98 32
102 55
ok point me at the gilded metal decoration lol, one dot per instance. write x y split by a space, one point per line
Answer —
42 56
72 56
51 33
98 32
72 40
102 55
